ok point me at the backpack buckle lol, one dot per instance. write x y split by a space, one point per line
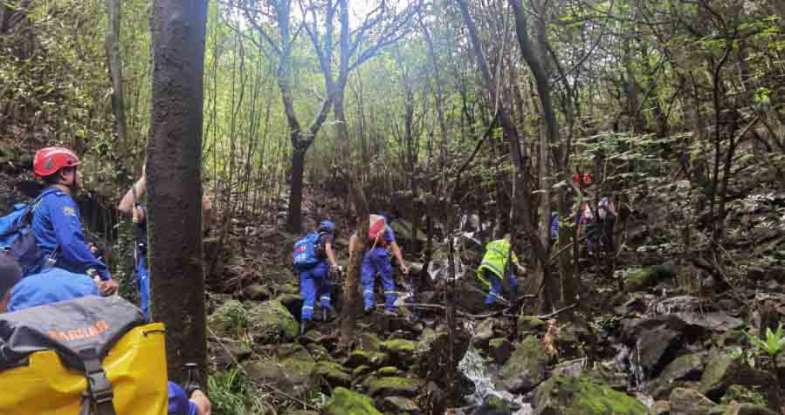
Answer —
100 388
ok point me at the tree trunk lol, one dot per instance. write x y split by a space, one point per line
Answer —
294 220
116 72
174 170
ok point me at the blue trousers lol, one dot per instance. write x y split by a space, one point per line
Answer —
143 282
496 285
377 261
314 282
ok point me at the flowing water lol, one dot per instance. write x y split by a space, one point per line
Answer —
474 367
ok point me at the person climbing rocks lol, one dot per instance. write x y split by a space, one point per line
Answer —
381 241
54 285
495 266
131 204
56 224
314 259
598 228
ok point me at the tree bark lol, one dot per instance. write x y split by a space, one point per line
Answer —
174 180
116 72
295 218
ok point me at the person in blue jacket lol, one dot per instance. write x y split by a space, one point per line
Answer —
315 280
54 285
56 224
377 261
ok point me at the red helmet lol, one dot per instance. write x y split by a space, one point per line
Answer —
582 179
49 160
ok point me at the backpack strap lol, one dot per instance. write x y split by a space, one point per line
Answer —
97 399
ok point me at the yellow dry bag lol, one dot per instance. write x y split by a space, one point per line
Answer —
89 356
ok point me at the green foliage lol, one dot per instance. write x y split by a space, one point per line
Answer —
231 393
773 345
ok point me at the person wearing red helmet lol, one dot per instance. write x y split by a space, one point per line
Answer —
56 224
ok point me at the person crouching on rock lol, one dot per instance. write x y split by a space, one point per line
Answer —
495 266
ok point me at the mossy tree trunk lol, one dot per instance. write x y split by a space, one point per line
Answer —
174 180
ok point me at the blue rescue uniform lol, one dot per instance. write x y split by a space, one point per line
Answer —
315 281
58 233
50 286
377 261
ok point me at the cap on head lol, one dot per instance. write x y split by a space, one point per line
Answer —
50 160
10 273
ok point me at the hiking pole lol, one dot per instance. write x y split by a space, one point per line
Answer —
192 379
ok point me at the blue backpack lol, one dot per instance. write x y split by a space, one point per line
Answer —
16 236
306 253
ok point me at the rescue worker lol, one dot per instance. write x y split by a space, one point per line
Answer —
315 280
495 266
54 285
377 261
56 224
131 204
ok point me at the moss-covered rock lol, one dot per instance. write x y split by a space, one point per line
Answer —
643 278
583 395
400 405
526 367
271 322
332 373
529 324
230 319
391 386
723 371
292 374
367 358
346 402
361 370
388 371
398 346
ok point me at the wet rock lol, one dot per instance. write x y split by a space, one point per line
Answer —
643 278
585 396
493 405
271 322
256 292
686 401
483 333
432 357
722 371
380 387
347 402
332 373
526 367
661 408
400 405
500 350
685 367
472 299
657 341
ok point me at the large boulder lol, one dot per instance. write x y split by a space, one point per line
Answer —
271 322
658 340
686 401
583 395
346 402
686 367
525 369
291 373
230 320
432 357
722 371
332 374
400 405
